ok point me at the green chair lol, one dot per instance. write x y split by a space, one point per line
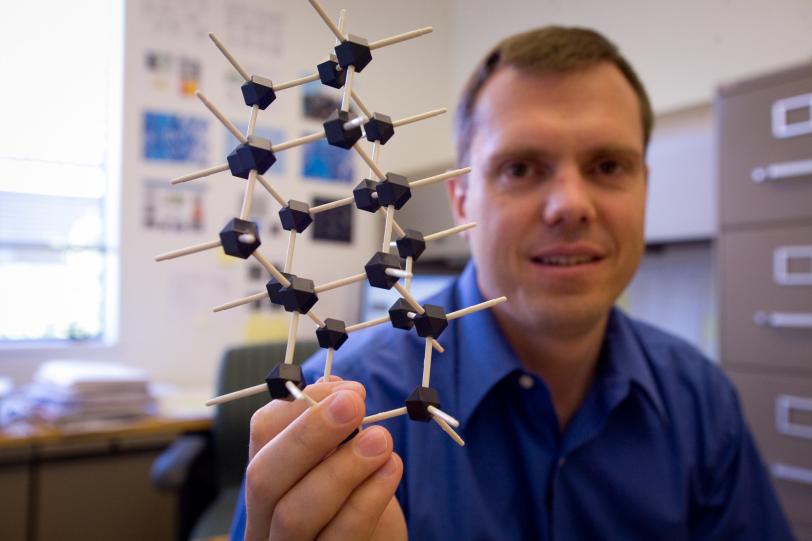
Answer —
207 469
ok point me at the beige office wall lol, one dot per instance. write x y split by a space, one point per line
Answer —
682 50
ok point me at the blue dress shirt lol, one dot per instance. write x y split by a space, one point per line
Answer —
657 450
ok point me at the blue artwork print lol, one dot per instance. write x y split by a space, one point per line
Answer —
324 161
175 138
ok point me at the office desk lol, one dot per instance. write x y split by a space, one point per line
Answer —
90 484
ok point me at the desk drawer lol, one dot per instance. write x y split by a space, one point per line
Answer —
102 497
779 411
766 308
15 481
765 159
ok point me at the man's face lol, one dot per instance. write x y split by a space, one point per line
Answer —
558 190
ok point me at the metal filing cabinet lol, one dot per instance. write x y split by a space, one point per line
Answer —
765 262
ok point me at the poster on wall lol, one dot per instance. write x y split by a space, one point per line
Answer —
249 25
158 65
333 225
175 138
171 73
319 101
188 76
173 208
263 209
322 161
179 19
266 321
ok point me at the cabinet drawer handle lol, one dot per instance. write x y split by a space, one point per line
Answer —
784 404
793 320
781 171
781 258
782 128
792 473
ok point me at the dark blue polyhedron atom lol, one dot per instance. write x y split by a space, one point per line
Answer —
258 91
255 154
231 234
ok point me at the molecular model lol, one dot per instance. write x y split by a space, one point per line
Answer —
384 193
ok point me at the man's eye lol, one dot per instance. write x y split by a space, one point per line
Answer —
518 169
609 167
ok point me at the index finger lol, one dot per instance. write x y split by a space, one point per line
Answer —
272 418
290 455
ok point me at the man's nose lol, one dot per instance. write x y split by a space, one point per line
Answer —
568 201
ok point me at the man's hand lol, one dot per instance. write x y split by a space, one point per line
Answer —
301 485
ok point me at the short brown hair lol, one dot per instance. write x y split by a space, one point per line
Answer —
551 49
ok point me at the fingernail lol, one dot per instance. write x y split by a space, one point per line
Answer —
372 442
388 469
341 407
353 386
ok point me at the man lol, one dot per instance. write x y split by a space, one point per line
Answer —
580 423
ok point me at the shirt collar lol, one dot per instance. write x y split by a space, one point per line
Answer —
624 360
486 358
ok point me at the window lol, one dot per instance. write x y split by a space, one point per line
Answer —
59 169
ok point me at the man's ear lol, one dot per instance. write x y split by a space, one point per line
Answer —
457 191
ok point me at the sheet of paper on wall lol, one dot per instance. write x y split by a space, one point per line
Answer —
334 225
174 208
265 325
319 102
254 26
190 290
322 161
175 138
169 72
178 19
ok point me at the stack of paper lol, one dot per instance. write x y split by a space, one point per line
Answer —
69 392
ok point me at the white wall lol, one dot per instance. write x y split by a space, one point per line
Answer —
682 50
682 194
688 306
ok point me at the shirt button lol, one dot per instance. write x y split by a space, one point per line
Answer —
526 381
561 461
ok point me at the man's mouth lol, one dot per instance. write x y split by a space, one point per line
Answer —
565 260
